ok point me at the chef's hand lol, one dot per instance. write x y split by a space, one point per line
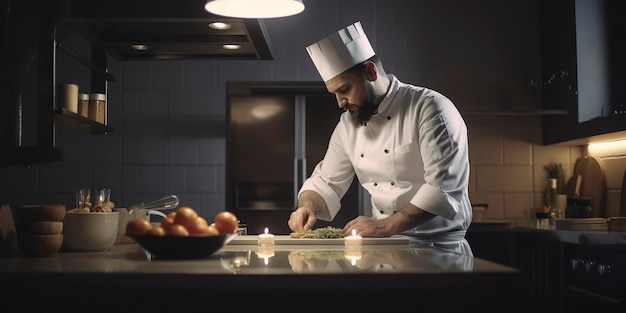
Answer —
367 227
405 219
301 219
300 263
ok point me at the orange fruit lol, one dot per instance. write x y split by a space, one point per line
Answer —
138 227
176 230
156 231
186 216
200 226
167 222
226 222
212 230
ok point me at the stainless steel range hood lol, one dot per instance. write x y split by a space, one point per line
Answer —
171 29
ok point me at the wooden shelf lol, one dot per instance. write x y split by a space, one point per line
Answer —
69 119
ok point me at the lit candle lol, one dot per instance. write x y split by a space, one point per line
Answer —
353 255
265 253
353 241
266 239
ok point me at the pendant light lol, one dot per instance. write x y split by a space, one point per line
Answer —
254 8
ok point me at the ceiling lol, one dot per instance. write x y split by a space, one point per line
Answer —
172 29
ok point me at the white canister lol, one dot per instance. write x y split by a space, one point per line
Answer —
68 97
97 107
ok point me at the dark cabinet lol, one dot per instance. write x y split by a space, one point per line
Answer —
541 262
582 47
594 278
36 35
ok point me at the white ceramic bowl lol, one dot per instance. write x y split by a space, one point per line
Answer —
89 231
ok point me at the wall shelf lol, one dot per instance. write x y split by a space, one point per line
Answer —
514 112
72 120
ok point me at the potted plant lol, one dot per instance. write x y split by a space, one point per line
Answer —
556 189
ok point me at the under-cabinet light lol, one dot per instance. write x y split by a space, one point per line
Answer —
608 148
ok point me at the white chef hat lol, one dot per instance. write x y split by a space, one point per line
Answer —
340 51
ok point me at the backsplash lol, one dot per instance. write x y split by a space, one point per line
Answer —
507 166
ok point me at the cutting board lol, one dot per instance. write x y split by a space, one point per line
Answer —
593 185
622 209
286 240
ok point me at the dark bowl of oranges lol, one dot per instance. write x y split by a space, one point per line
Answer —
183 234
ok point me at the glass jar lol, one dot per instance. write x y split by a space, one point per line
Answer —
97 107
83 105
543 220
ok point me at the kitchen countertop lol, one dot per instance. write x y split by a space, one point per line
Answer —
70 280
584 237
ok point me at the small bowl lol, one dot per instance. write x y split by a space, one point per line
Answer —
41 212
89 231
39 245
39 228
178 247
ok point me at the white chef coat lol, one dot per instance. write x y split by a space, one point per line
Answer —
414 150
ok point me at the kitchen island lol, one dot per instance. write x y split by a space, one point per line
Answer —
128 279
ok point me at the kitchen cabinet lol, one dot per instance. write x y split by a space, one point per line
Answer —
541 262
562 270
491 241
37 112
582 62
594 278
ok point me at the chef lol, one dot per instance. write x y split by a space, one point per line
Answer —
407 146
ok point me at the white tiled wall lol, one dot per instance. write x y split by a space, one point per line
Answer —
508 164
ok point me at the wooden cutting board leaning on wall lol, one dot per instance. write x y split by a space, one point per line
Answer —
592 186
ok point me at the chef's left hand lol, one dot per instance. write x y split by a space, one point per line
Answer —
368 227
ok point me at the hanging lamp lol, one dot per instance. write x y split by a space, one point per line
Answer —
254 8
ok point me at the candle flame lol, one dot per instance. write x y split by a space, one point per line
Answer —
354 232
267 231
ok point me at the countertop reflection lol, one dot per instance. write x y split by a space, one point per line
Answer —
251 259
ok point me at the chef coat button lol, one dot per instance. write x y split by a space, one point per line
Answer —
388 117
375 184
392 183
386 150
382 212
362 155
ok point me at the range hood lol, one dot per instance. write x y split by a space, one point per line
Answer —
171 29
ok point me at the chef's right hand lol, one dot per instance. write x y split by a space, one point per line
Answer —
301 219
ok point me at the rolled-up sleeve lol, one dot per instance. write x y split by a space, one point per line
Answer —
443 143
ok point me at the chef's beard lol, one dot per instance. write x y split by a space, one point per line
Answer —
360 115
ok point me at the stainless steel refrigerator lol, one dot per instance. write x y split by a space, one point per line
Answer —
277 133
